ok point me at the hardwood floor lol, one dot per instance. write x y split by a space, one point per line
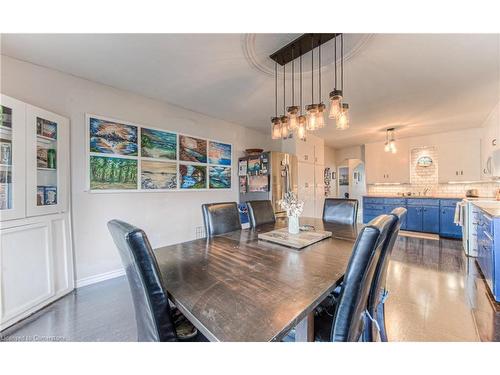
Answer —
436 294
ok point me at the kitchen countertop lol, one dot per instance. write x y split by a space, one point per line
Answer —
491 208
413 196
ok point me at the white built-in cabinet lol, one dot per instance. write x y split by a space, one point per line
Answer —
386 167
311 166
459 161
36 261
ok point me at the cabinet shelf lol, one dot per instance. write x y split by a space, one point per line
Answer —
46 169
44 139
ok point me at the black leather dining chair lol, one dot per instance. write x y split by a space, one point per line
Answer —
340 211
220 218
348 322
260 212
379 292
154 317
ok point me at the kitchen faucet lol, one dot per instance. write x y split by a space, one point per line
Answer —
426 190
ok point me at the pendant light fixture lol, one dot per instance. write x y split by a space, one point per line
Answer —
336 94
344 118
275 121
302 121
293 110
390 141
285 120
312 109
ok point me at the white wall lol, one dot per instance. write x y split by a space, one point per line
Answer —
353 152
166 217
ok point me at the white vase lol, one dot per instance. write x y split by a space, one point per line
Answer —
293 224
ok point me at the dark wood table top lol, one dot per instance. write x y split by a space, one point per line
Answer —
236 287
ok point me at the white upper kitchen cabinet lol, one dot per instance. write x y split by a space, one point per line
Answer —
306 188
386 167
459 161
12 156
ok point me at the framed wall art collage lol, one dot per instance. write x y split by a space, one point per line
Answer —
129 157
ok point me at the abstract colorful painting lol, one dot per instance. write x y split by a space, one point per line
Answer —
158 175
193 176
219 153
254 165
158 144
112 173
109 137
219 177
192 149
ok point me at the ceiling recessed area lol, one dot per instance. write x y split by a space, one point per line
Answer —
417 83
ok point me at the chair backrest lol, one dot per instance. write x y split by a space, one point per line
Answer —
379 279
341 211
349 318
220 218
260 212
152 309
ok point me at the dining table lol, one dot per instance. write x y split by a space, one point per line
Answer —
237 287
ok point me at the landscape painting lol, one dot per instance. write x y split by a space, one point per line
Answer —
112 173
219 153
107 137
192 149
193 176
158 175
158 144
219 177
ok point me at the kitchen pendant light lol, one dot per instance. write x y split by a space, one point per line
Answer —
336 94
344 117
390 141
343 120
293 110
285 120
275 121
312 109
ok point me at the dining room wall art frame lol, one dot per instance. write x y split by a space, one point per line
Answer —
124 156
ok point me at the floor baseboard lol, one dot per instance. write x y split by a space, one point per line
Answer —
98 278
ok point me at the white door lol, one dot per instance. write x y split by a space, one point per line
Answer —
12 158
47 162
305 151
319 193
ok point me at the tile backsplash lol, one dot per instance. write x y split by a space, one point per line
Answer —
485 189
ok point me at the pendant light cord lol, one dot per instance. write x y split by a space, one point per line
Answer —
342 61
312 69
275 89
300 84
335 61
319 68
293 76
284 90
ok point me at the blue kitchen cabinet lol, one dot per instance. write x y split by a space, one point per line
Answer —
414 219
488 244
447 226
430 219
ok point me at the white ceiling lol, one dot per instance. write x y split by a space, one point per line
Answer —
423 83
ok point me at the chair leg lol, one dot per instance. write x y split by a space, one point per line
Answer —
381 322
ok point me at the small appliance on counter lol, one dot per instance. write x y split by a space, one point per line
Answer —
472 193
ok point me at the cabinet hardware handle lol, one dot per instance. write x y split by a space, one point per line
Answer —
494 142
456 173
462 173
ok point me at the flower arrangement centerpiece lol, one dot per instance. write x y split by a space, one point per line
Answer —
293 207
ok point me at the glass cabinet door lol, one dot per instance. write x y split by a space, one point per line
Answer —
48 160
12 158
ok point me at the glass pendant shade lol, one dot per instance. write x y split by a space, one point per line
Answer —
320 116
276 128
293 112
335 104
343 120
312 119
301 127
387 147
285 123
392 146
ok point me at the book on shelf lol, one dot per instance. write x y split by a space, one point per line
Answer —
5 196
42 157
5 152
46 128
